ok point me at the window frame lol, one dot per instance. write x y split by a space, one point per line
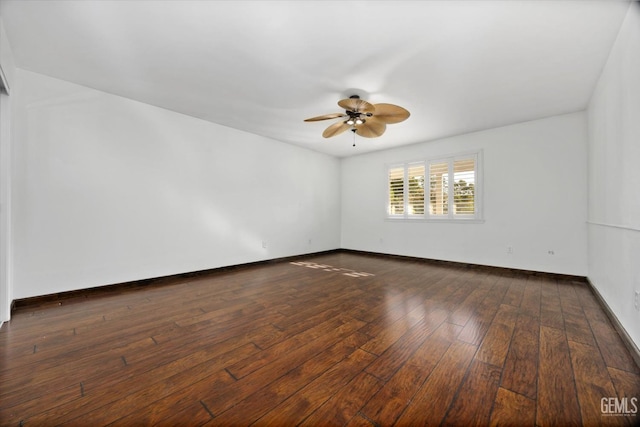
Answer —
450 160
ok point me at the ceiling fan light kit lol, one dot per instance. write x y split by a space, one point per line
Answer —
362 118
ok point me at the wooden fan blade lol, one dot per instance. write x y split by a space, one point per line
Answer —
356 104
335 129
371 128
326 117
390 113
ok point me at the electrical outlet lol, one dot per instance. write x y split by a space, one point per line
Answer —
510 249
636 300
264 244
551 252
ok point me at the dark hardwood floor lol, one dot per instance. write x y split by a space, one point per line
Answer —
333 339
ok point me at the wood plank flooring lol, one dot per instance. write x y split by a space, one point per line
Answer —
333 339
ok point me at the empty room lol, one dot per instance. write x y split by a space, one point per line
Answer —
319 213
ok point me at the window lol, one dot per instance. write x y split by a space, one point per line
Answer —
453 189
406 190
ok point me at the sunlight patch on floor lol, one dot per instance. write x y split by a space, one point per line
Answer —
324 267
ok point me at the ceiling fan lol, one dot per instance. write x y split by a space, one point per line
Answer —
362 118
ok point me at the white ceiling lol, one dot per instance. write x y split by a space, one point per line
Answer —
264 66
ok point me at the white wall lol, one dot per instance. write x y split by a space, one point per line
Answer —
535 199
6 55
614 177
7 68
109 190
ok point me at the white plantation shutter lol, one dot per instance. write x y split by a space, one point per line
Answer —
406 190
415 186
439 188
396 191
453 188
464 178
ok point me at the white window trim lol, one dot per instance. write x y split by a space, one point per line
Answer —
477 217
